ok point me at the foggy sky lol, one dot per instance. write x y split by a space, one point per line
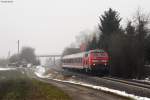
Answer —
51 25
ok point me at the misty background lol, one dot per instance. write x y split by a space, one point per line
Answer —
51 25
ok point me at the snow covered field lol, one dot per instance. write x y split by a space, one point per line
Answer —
39 71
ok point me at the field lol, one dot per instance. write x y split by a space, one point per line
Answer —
14 86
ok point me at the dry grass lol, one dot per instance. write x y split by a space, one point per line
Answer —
29 89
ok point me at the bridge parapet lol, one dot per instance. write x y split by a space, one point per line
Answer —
52 58
48 56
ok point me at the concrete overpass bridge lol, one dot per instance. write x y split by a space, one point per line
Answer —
48 58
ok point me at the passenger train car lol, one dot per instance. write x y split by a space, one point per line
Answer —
88 61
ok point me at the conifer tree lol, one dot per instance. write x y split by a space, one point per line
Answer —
109 24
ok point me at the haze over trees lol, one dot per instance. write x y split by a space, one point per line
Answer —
125 46
109 25
27 55
3 62
70 50
128 48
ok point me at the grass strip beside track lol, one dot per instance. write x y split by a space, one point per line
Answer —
29 89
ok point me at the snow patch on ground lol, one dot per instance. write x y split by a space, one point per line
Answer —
40 70
121 93
5 69
40 73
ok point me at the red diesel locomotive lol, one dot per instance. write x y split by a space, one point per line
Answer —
90 60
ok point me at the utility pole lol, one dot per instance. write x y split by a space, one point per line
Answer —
18 46
18 64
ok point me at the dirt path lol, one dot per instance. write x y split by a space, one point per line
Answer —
77 92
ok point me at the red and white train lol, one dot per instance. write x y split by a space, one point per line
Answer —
90 60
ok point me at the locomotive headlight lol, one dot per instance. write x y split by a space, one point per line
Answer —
95 61
103 61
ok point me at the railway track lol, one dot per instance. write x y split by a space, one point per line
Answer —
131 82
129 86
125 81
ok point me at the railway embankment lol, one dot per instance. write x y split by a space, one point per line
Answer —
100 83
75 89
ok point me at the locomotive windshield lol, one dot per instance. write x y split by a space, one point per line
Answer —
99 53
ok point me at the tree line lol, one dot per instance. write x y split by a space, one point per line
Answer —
128 48
26 56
